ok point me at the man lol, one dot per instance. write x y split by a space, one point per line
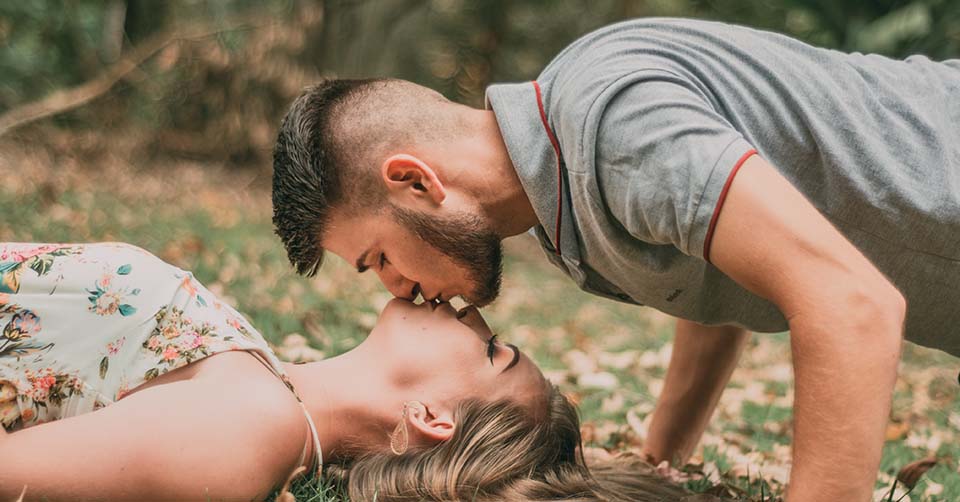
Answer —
733 178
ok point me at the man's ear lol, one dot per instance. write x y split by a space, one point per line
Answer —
411 179
430 426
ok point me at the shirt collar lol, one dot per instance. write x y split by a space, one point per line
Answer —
534 151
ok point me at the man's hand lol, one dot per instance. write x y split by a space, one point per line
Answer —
846 323
703 359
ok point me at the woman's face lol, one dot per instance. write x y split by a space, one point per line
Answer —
445 355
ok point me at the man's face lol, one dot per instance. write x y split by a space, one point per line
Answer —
413 253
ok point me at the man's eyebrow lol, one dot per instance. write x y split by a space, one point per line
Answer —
362 262
516 357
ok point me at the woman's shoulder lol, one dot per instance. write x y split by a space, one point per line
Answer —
251 392
238 368
252 403
250 399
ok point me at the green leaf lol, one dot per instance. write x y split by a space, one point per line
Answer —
201 301
151 374
104 366
124 269
41 265
10 280
126 309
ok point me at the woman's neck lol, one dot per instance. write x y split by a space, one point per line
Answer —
342 404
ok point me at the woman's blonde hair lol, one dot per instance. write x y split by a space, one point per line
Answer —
498 452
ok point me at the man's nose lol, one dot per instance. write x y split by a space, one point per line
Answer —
401 287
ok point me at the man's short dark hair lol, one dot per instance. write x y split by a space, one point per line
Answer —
304 183
328 145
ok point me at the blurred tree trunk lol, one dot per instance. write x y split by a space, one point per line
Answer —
144 18
111 40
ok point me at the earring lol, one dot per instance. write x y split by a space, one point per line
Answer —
400 439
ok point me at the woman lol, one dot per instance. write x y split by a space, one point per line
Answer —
190 403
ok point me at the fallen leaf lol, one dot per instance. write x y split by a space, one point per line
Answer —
896 431
601 380
911 473
579 363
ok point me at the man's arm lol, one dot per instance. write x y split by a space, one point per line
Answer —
846 323
703 359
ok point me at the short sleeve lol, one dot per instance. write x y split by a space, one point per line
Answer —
664 158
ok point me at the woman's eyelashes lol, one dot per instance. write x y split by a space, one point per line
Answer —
383 260
491 348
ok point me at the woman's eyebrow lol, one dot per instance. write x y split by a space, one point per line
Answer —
516 357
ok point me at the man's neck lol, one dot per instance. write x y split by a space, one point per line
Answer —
497 187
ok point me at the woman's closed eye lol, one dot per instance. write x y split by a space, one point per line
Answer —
491 348
383 260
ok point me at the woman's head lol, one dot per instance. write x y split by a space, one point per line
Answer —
499 451
480 429
497 448
428 358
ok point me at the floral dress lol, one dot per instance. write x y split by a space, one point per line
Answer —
82 325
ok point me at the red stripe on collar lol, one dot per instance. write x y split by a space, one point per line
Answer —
556 150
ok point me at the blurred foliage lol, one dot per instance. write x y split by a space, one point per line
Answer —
219 97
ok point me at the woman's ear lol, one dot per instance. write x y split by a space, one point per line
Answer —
430 426
411 180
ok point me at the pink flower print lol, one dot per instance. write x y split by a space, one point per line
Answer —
4 298
114 347
195 340
104 281
170 332
40 385
187 285
170 353
235 323
30 253
153 342
45 382
106 304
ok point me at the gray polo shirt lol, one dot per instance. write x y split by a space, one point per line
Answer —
627 141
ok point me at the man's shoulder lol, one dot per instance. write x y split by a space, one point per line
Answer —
678 46
580 81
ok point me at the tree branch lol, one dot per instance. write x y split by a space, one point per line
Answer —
67 99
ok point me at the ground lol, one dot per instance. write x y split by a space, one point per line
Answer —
609 357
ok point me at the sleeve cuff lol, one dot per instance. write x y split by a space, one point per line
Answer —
714 194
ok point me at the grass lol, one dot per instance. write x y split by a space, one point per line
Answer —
216 223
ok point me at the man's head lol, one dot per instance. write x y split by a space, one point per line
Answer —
369 169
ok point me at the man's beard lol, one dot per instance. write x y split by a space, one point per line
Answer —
464 239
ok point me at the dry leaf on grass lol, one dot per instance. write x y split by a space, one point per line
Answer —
912 472
896 431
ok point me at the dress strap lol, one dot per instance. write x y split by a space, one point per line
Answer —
313 428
